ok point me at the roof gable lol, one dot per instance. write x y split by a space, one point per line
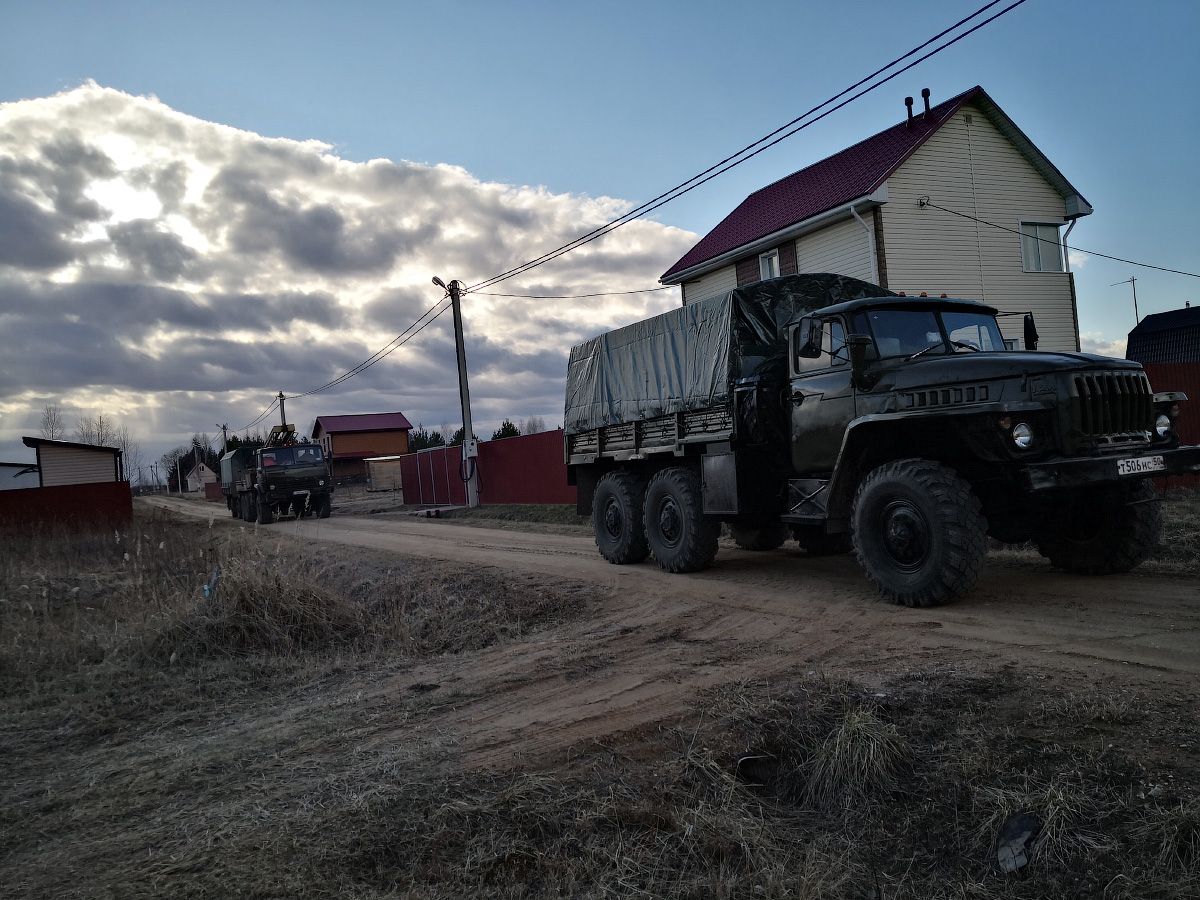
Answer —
853 174
394 421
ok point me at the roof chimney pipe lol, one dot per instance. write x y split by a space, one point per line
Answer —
908 105
925 97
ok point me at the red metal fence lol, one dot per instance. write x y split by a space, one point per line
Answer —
103 505
1180 377
526 469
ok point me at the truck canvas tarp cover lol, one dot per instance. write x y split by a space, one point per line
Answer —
690 358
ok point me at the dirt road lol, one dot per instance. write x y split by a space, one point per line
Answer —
657 639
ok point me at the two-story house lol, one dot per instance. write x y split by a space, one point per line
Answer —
350 440
953 200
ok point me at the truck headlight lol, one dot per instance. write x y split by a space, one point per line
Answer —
320 484
1022 435
1162 425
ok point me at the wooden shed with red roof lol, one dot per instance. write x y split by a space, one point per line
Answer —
350 440
906 209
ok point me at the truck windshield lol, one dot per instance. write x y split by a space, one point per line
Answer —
291 456
907 332
975 329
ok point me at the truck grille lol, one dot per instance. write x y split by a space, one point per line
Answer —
1112 406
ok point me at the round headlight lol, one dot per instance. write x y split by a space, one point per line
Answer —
1022 435
1162 425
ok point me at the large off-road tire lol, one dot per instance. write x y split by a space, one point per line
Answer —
1103 531
815 542
266 513
679 535
759 537
919 532
324 505
617 518
232 503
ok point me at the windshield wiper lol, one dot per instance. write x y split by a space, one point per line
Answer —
923 352
965 345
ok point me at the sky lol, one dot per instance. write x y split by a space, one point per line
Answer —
200 206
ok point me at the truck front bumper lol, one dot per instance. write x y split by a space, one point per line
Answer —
1077 472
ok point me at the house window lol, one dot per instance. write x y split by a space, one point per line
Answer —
1041 247
768 265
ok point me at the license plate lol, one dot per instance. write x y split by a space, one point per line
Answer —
1140 464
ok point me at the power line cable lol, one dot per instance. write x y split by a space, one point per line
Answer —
1132 262
665 287
374 357
766 142
386 351
262 415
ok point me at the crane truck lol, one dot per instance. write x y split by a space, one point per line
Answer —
284 476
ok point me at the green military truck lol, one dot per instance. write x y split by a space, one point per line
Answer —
902 428
283 477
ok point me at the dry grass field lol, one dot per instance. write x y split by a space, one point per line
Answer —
277 740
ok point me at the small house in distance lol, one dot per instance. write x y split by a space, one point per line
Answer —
77 486
65 462
199 477
909 209
350 440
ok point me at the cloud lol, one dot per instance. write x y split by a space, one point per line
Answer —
1097 342
179 272
1077 259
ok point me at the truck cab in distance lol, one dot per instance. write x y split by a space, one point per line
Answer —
852 418
283 477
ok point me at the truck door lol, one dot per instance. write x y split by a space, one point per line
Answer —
822 400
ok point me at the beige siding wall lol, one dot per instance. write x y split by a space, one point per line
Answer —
930 250
72 465
843 248
719 282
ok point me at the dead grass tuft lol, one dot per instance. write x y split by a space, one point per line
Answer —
258 609
861 758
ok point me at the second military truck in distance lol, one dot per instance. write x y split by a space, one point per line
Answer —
900 427
284 476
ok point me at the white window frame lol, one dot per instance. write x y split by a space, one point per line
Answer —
1057 226
765 261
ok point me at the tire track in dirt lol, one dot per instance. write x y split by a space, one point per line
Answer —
656 640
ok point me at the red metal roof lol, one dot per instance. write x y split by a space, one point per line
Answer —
825 185
362 422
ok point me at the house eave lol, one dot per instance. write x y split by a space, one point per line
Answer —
796 230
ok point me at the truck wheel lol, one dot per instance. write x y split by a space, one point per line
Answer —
680 537
759 537
232 503
918 532
815 542
266 515
1104 531
617 518
324 504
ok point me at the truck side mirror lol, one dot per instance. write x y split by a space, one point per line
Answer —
808 337
1031 335
858 344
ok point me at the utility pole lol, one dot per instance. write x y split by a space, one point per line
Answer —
1132 281
224 438
282 415
470 447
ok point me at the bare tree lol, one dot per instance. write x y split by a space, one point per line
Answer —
53 426
533 425
96 429
131 451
